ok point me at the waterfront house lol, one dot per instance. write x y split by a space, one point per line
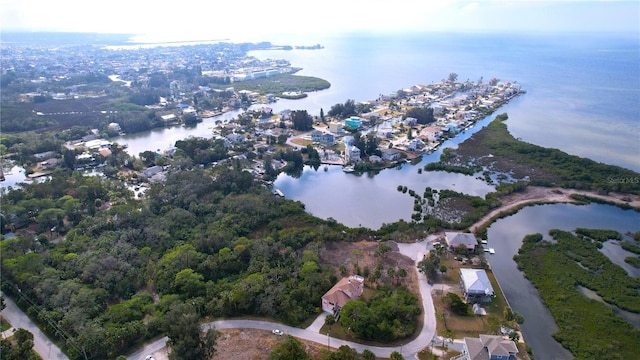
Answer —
346 289
415 145
455 239
352 154
432 133
391 154
475 285
169 118
488 347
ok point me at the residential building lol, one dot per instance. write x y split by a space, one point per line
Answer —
322 138
455 239
352 154
336 127
327 139
353 122
475 285
488 347
346 289
315 135
415 145
375 159
391 154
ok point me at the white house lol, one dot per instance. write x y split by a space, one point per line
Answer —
475 285
352 154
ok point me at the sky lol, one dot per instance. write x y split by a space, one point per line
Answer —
252 19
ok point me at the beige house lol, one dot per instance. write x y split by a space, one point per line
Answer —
346 289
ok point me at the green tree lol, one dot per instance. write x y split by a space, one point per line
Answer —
396 356
186 340
19 347
443 268
382 250
301 120
368 355
429 265
456 304
291 349
189 283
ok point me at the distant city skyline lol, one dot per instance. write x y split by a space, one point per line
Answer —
257 20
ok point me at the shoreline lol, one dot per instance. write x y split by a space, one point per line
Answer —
542 195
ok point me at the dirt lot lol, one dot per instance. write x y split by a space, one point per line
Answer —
250 344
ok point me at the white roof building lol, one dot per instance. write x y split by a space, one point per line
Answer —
476 285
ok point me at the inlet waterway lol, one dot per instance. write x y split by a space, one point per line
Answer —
506 235
582 98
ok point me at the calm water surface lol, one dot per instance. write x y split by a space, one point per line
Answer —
506 236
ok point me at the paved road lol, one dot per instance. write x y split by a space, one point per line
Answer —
41 343
414 251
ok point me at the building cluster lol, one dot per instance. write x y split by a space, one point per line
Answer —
50 69
455 106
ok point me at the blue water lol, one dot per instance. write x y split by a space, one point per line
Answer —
583 97
583 90
506 236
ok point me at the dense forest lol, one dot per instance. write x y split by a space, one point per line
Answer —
216 242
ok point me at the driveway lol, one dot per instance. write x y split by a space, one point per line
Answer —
294 145
41 343
414 251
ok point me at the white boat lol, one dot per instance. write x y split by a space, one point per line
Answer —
492 251
348 169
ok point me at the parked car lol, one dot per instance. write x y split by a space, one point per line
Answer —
277 332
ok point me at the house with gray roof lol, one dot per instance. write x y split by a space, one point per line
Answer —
455 239
488 347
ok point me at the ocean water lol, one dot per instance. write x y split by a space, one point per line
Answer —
583 90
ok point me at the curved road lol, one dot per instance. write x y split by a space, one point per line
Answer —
414 251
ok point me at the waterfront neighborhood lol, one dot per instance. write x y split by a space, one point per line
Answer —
191 251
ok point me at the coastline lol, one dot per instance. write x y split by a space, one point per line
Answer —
534 195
